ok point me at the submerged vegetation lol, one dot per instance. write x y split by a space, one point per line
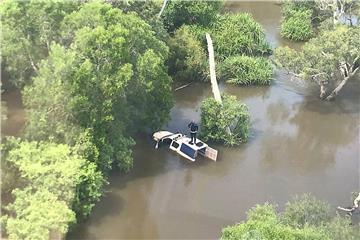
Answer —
297 21
298 25
304 218
239 34
245 70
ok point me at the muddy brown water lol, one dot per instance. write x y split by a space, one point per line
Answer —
298 144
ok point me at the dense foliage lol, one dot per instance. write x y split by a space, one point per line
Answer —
303 219
306 210
330 59
239 33
216 118
188 60
201 12
112 82
244 70
101 79
298 25
28 28
264 223
51 174
301 19
148 11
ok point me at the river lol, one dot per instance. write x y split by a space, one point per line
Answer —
298 144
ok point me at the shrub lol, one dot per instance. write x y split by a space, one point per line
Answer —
298 25
244 70
239 34
217 117
306 210
263 223
187 58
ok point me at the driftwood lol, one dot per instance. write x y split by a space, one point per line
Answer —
350 210
183 86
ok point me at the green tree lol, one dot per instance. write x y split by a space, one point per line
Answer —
330 60
148 11
341 228
305 218
217 117
188 60
110 84
239 33
306 210
200 12
49 115
244 70
51 173
28 28
263 223
121 83
38 214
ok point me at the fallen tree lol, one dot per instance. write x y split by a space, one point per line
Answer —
351 210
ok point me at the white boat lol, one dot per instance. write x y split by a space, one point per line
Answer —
181 144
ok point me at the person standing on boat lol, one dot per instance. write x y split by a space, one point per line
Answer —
193 130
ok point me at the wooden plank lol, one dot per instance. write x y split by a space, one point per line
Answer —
211 153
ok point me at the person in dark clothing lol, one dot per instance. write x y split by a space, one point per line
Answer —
193 130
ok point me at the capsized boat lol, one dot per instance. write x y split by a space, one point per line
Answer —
180 143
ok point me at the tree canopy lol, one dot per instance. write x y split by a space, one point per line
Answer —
28 29
112 81
245 70
178 13
103 80
51 174
297 222
217 117
330 59
188 60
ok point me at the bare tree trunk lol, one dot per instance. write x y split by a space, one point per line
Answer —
322 90
162 8
214 84
335 92
355 206
347 73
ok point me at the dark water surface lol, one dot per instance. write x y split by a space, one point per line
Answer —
298 144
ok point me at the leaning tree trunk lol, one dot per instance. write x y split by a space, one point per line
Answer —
335 92
355 206
347 72
214 84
